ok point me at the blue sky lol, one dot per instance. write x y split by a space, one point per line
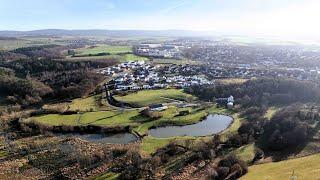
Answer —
259 17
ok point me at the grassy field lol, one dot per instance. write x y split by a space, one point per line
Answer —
3 153
120 53
101 48
57 119
233 128
232 81
119 58
109 118
95 114
31 41
245 153
132 57
84 104
270 112
108 176
147 97
89 104
18 43
150 144
12 44
304 168
103 118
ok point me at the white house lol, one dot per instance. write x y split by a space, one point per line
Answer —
231 99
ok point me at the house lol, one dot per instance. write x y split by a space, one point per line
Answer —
231 99
229 102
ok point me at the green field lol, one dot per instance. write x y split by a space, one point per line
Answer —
150 144
109 118
245 153
132 57
232 81
147 97
303 168
103 118
12 44
84 104
32 41
18 43
57 119
101 48
120 53
88 104
3 153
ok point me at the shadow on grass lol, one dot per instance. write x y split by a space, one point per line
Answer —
140 118
285 154
280 155
103 118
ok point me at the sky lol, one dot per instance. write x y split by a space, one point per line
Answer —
278 18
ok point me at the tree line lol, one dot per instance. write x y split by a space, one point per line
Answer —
289 128
31 81
261 92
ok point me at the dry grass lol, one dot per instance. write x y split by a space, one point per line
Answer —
303 168
232 81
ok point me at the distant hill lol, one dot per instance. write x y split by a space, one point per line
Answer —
8 38
97 32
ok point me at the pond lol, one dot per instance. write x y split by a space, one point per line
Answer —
120 138
213 124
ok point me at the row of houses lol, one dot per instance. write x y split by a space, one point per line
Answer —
159 50
122 67
139 87
225 70
141 75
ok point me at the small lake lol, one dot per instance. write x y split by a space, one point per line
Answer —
121 138
213 124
